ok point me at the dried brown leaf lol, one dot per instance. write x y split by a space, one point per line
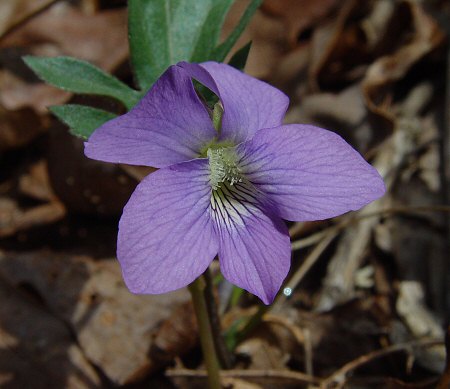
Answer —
13 219
36 349
36 183
267 35
263 353
426 36
177 335
63 30
16 95
298 15
12 12
114 328
337 50
20 127
82 184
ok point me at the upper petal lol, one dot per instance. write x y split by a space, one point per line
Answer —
249 104
169 125
254 250
310 173
166 237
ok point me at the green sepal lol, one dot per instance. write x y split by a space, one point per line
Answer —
217 116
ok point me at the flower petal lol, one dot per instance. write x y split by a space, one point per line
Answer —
249 104
166 236
254 249
169 125
308 172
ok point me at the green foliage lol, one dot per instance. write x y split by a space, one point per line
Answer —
161 33
239 59
231 336
209 36
79 76
82 120
224 48
165 32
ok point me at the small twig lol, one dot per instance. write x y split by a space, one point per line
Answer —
296 229
406 210
256 374
309 262
444 171
444 382
340 375
256 319
309 368
297 332
311 239
325 237
352 219
224 355
301 335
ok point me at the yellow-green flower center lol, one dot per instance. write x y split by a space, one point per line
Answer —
223 167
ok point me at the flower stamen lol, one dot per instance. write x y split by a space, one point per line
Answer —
223 167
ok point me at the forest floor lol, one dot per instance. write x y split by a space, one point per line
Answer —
370 300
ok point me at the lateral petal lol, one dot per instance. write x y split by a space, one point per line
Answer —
169 125
166 236
308 172
249 104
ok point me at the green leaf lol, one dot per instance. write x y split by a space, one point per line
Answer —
235 296
81 119
210 32
148 39
239 59
164 32
231 335
79 76
224 48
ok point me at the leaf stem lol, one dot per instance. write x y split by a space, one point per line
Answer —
197 289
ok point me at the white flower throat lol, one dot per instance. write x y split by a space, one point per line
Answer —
223 167
233 197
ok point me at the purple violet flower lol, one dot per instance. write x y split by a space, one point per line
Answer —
223 191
